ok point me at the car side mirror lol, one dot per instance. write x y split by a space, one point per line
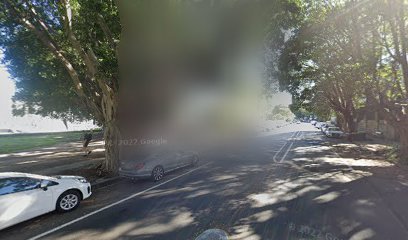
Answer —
44 185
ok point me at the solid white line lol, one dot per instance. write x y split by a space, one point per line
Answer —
287 151
298 135
112 204
294 135
280 150
276 154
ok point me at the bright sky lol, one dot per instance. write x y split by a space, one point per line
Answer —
283 98
28 123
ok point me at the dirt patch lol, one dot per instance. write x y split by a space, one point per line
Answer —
90 172
381 152
364 150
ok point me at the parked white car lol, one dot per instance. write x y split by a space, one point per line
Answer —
325 126
24 196
334 132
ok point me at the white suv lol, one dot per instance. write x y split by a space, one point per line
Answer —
24 196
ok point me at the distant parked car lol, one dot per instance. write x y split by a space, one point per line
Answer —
24 196
319 124
325 126
156 165
334 132
313 122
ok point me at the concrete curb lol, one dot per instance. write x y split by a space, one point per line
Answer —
103 182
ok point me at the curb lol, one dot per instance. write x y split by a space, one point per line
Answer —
104 182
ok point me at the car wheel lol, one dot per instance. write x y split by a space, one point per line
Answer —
157 173
195 160
68 201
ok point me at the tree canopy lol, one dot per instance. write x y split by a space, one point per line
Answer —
347 55
63 55
43 86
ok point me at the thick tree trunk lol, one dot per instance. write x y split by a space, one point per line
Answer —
347 124
346 121
349 120
111 134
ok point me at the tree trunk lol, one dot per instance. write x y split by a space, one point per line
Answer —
111 134
349 119
403 135
346 121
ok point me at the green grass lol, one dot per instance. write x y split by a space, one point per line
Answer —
24 142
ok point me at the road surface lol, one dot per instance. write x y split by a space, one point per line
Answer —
287 185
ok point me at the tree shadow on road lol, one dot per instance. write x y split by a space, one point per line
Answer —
313 194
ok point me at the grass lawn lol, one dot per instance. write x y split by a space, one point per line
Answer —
23 142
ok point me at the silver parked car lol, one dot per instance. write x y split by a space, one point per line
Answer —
156 165
325 126
334 132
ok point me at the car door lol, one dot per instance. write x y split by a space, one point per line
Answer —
22 199
169 160
183 158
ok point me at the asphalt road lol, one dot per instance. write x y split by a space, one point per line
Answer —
288 185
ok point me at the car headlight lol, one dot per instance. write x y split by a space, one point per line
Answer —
82 180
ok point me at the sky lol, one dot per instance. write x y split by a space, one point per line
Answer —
28 123
283 98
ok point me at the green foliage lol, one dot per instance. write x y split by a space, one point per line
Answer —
349 55
43 86
324 64
280 112
284 17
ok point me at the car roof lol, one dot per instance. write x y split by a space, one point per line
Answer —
20 174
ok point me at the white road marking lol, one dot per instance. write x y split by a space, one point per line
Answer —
277 153
300 135
280 150
287 151
113 204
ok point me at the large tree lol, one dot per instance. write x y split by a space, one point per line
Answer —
388 74
323 61
63 54
353 54
63 57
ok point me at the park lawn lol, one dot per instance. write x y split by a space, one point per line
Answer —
23 142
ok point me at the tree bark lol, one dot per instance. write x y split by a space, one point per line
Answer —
102 100
346 121
111 134
403 136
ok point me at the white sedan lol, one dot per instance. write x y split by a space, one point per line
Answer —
24 196
334 132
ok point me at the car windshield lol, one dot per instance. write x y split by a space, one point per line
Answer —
196 119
